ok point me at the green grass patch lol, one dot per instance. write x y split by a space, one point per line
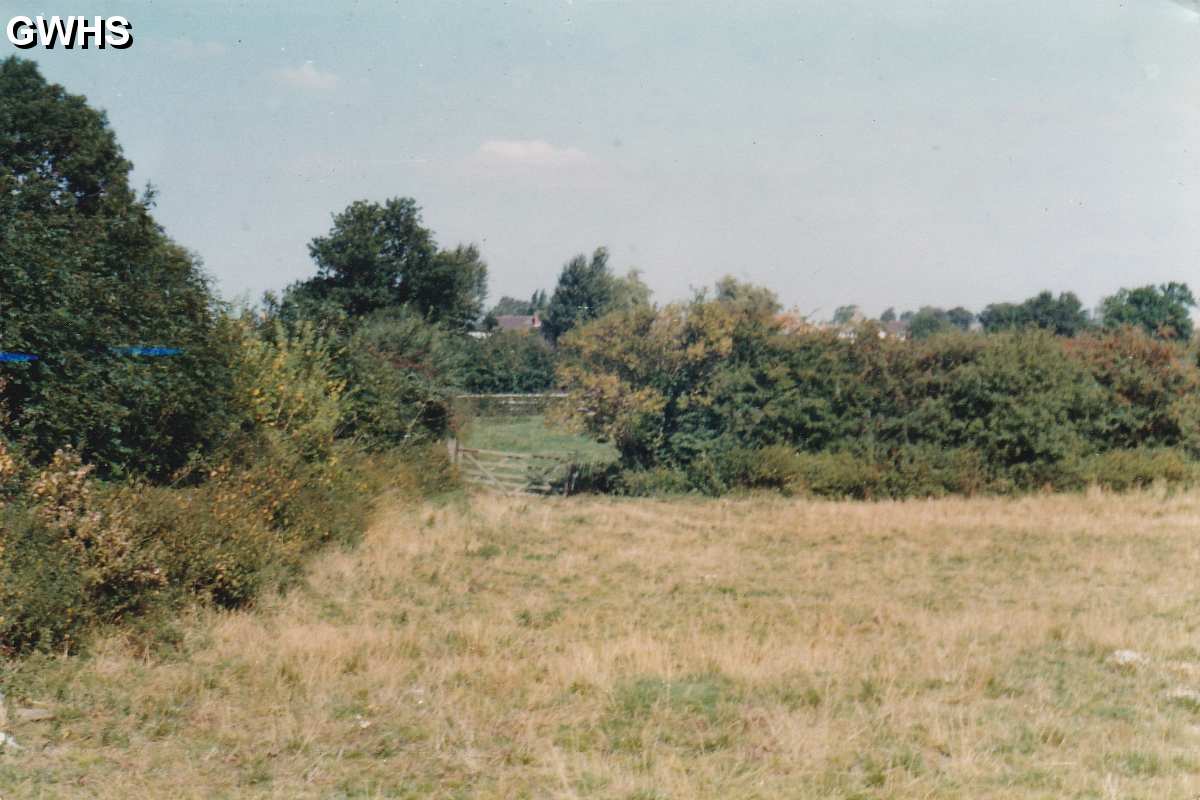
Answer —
533 434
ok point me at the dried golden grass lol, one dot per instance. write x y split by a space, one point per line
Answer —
757 647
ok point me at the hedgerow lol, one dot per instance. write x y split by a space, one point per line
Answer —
722 397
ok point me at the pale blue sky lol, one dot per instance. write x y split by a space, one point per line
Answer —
881 153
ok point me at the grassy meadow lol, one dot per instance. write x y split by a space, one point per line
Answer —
533 434
760 647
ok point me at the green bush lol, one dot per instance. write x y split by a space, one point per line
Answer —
76 551
837 474
650 482
508 362
86 269
395 367
1122 470
43 601
727 398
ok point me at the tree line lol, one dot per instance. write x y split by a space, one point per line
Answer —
84 267
1163 311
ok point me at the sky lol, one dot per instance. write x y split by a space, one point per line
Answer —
888 153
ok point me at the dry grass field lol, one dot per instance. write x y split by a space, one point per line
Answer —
746 648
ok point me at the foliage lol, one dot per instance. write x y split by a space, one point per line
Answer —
288 384
244 423
1123 470
1162 311
76 552
842 315
1152 388
960 318
399 370
930 320
508 362
379 256
746 298
630 291
584 292
85 268
723 396
1064 315
588 290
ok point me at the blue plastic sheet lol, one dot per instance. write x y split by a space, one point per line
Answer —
147 351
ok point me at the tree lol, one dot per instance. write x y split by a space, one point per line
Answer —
84 268
1162 311
754 301
585 291
452 291
888 316
1064 315
508 362
1002 316
379 256
843 315
630 291
929 321
960 318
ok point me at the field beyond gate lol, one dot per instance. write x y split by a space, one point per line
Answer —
509 443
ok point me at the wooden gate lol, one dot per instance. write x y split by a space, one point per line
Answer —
514 473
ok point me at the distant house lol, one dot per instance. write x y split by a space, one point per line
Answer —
518 322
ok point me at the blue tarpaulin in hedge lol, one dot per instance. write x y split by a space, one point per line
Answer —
137 350
147 351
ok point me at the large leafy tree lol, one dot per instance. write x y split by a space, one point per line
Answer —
743 297
587 290
84 269
960 318
842 315
1163 311
1063 315
928 321
379 256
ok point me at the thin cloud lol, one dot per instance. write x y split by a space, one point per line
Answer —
307 77
532 152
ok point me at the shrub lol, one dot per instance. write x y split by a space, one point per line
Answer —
837 474
508 362
654 481
1122 470
725 397
43 601
76 552
1153 389
773 467
286 383
1019 402
395 368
